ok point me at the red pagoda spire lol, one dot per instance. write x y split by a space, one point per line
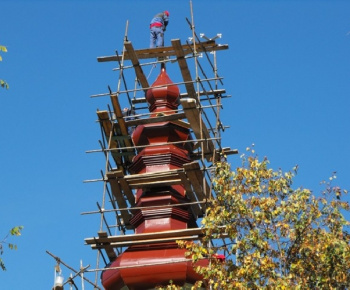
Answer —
151 264
158 187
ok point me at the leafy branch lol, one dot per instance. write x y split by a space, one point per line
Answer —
15 231
3 83
282 238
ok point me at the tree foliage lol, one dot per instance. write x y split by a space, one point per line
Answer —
275 236
15 231
3 83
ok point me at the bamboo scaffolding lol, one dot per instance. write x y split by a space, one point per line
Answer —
59 261
154 145
216 93
147 88
165 51
193 176
148 207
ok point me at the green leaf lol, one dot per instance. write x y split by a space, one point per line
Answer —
3 84
2 265
12 246
16 231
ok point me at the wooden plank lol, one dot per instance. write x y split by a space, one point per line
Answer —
138 69
120 137
185 95
229 151
150 241
225 151
185 72
190 170
146 236
126 189
119 115
121 122
198 126
108 248
166 51
195 174
200 175
103 118
154 179
117 193
155 182
158 174
165 118
162 180
197 211
202 93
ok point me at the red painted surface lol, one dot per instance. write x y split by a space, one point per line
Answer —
159 158
150 265
220 257
163 96
164 263
162 132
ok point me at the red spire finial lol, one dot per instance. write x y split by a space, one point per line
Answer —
163 95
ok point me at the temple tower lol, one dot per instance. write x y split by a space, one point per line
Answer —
156 179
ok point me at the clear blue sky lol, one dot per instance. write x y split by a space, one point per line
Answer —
287 69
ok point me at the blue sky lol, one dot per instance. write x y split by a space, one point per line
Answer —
287 69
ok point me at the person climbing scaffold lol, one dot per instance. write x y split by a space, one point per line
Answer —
158 25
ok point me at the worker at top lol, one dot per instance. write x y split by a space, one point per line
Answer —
158 25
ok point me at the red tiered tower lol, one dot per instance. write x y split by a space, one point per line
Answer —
151 264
